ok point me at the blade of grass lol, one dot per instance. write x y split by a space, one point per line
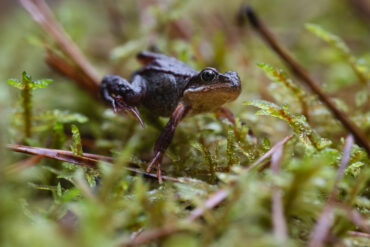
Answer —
322 227
279 223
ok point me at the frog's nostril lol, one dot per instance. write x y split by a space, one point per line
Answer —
233 76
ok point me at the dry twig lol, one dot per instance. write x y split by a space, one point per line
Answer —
362 8
23 164
65 68
269 153
89 160
358 234
280 228
356 218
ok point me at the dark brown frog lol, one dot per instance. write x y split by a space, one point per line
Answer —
169 87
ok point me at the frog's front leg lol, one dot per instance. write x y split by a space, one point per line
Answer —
122 94
165 138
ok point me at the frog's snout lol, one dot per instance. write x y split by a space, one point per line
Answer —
233 78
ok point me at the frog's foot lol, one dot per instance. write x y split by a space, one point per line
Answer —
123 95
119 105
157 162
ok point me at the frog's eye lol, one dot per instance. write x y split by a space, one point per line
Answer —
207 75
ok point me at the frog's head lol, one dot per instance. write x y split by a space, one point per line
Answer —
210 89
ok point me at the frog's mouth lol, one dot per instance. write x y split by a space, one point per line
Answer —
209 97
217 92
215 88
227 88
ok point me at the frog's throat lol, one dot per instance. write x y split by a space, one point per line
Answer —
209 98
214 90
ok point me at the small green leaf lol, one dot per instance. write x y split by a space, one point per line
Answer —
69 166
355 168
43 187
28 82
16 83
26 85
59 190
76 147
26 77
266 143
40 83
279 76
70 194
297 122
90 176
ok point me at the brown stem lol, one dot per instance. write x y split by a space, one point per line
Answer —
62 66
357 219
322 227
301 73
42 14
21 165
269 153
358 234
27 110
362 8
89 160
150 235
279 223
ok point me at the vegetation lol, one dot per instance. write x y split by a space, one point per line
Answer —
287 173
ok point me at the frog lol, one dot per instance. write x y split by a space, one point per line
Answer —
168 87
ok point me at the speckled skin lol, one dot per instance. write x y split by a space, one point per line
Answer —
165 78
163 82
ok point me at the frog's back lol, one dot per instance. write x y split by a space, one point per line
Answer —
165 64
166 78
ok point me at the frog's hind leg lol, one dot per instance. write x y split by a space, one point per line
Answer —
122 94
165 138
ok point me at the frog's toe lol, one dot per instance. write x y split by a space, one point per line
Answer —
114 106
156 161
135 112
123 106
